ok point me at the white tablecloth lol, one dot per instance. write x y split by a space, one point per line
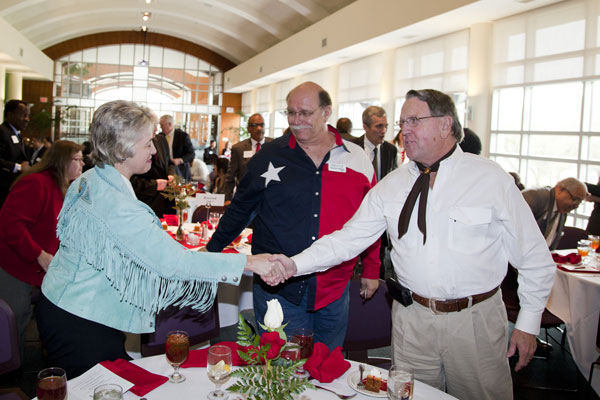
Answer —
197 385
575 298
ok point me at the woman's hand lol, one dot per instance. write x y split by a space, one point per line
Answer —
44 260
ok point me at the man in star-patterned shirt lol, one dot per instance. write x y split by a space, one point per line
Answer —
299 187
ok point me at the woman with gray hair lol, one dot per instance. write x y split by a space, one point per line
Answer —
116 267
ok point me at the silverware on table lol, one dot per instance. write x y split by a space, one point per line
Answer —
360 383
341 396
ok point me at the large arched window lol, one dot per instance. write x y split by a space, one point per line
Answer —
166 80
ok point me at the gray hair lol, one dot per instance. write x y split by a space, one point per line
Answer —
572 185
167 118
370 111
440 105
116 128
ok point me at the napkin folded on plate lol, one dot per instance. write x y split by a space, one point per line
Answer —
197 358
249 239
144 381
171 219
208 224
571 258
326 366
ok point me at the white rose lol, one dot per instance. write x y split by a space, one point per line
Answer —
274 315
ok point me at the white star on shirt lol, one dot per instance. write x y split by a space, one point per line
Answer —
272 174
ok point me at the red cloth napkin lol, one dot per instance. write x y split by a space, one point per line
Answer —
230 250
571 258
183 243
144 381
325 366
249 239
171 219
208 224
197 358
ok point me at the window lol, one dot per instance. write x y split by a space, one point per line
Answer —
167 81
543 123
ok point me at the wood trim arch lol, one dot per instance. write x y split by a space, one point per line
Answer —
119 37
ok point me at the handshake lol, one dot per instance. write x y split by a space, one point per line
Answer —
272 268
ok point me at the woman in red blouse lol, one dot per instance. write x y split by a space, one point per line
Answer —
28 226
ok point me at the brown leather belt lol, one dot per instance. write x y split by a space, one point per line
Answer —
440 306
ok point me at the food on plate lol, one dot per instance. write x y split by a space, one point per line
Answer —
374 382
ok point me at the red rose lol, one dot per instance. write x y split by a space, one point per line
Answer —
275 341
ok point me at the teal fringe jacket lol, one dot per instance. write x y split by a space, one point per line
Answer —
118 267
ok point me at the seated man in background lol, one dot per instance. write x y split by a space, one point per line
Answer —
550 206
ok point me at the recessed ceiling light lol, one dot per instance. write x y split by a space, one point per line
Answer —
148 1
146 15
144 28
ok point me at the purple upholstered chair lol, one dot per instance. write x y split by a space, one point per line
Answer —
369 324
200 326
10 359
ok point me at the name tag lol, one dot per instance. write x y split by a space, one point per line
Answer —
15 139
333 167
248 154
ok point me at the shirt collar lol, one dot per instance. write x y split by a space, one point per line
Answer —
253 142
13 128
369 146
338 139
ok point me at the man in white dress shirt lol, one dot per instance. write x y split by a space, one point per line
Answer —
450 253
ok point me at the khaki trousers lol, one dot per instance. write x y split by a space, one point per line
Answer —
463 353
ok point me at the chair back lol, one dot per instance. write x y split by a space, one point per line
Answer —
570 237
200 327
199 214
369 323
509 294
10 358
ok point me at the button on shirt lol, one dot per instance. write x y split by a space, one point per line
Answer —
295 203
477 222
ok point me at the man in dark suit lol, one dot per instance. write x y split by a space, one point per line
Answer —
148 186
243 151
181 150
384 155
36 150
550 206
13 155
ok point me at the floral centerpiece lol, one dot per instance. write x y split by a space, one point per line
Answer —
268 376
178 191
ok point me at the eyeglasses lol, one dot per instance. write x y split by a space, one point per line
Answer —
381 127
573 198
414 121
261 124
301 113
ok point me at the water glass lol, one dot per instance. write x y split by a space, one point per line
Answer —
583 248
214 218
400 383
108 392
218 368
304 337
52 384
177 348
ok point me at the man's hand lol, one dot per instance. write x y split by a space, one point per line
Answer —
177 161
287 263
25 166
368 287
526 344
161 184
44 260
273 273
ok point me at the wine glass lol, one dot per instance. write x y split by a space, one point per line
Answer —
177 348
214 218
291 352
108 392
52 384
218 368
304 337
400 383
583 248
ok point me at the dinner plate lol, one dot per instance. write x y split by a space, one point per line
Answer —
353 379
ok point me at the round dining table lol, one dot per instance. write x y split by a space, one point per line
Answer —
575 298
197 385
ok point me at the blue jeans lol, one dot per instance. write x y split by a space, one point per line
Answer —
328 323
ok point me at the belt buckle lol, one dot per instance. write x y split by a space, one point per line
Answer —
434 309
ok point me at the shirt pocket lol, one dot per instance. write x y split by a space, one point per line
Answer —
469 229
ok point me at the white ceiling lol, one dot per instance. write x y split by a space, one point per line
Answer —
235 29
